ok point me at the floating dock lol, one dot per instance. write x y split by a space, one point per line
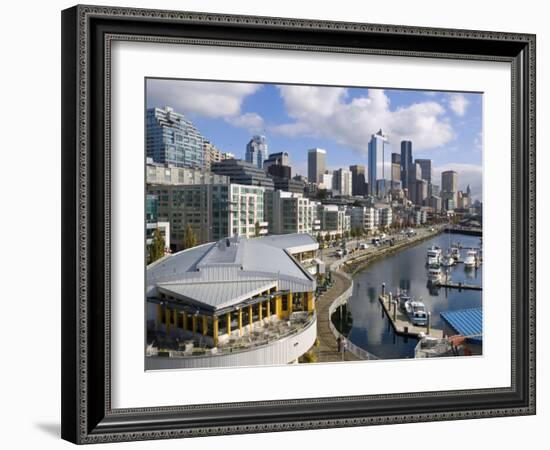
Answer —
401 324
459 286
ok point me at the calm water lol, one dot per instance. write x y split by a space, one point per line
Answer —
371 330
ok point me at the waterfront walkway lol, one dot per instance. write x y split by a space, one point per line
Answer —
328 347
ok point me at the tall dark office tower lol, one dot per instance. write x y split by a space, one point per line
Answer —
406 163
358 180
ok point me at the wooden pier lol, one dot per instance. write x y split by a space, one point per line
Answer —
401 323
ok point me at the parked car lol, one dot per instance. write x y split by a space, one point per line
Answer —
363 246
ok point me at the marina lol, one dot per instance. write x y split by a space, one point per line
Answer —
401 322
381 327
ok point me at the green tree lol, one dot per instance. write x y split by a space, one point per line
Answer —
189 238
257 229
156 250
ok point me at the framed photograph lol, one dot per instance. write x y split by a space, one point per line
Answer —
281 224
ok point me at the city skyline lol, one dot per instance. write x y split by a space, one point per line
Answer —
444 127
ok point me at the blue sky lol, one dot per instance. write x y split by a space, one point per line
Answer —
443 126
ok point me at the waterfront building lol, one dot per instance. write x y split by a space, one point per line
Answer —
256 151
316 164
334 219
242 172
213 211
156 173
425 169
172 139
385 217
235 302
292 213
406 163
358 180
379 162
342 182
364 218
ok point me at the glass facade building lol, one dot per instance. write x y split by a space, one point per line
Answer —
379 163
172 139
256 151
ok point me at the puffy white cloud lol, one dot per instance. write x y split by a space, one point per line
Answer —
468 174
459 104
252 122
209 99
327 112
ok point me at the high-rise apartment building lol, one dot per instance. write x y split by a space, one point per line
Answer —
172 139
256 151
316 164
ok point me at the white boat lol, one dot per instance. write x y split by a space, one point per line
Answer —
434 272
455 252
416 310
433 255
402 298
470 260
448 260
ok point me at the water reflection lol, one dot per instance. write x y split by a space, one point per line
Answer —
371 330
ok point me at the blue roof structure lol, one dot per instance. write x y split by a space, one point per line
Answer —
466 322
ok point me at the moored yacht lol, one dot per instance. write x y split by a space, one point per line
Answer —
402 298
470 260
433 255
448 260
434 272
417 313
455 252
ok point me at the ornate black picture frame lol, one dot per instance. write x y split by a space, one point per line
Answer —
87 34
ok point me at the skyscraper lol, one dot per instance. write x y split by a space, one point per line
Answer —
396 170
449 188
449 181
357 180
406 163
172 139
316 164
426 167
256 151
342 181
379 161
